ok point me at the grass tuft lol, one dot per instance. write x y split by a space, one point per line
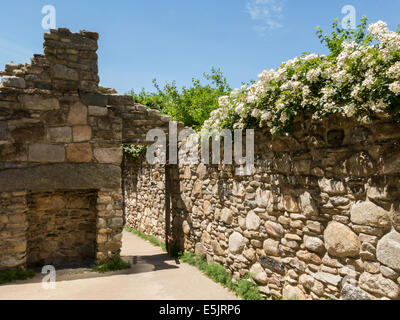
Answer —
244 288
153 240
13 275
112 265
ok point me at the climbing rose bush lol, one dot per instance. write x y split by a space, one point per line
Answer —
359 78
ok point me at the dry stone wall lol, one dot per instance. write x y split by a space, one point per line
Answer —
144 196
62 132
319 219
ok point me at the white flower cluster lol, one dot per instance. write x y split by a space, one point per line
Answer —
363 79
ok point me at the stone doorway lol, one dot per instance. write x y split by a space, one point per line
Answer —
61 228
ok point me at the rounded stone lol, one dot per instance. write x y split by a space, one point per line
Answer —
369 214
350 292
314 244
341 241
274 229
226 216
236 243
185 227
388 250
258 274
200 250
250 254
271 247
252 221
308 206
306 281
293 293
378 285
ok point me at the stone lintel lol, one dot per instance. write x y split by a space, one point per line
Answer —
63 176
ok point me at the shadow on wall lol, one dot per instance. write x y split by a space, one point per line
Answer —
179 210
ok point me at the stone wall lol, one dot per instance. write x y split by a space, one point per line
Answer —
144 196
319 219
61 228
60 131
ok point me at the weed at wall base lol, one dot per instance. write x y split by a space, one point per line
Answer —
153 240
115 264
243 287
13 275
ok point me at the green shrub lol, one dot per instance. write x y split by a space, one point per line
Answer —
192 105
112 265
135 151
7 276
359 78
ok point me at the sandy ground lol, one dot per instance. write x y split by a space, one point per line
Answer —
153 276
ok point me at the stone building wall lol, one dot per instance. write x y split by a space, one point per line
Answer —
62 228
321 212
62 132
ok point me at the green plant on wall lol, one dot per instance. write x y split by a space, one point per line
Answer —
243 287
135 151
15 275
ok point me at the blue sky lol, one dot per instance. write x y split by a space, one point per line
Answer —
180 39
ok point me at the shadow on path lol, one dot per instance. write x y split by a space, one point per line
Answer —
139 264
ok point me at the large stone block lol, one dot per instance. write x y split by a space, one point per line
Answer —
350 292
79 152
64 73
77 114
378 285
31 132
98 111
93 99
82 133
65 176
59 134
40 152
341 241
252 221
258 274
39 103
236 243
368 213
388 250
307 204
108 155
14 82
